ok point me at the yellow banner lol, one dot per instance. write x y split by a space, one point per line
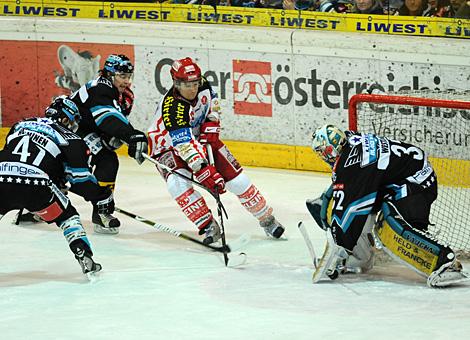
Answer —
380 24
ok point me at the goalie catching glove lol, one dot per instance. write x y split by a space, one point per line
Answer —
138 146
319 207
211 179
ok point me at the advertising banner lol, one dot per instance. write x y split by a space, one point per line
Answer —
226 15
279 98
35 72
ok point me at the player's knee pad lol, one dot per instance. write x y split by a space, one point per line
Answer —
239 184
58 207
73 230
177 185
408 245
226 164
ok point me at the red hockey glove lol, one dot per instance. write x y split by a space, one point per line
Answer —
211 179
209 132
127 101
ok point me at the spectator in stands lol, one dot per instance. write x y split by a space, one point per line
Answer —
367 7
456 4
243 3
464 11
441 8
391 7
336 6
299 5
415 8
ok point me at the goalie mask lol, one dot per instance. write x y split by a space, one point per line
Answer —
64 111
328 142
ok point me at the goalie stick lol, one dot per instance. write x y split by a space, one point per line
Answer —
160 227
309 244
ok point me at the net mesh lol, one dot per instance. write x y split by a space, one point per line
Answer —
444 133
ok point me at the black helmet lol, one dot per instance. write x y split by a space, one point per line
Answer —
118 63
62 107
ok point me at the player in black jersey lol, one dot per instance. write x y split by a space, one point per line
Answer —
105 104
40 155
371 175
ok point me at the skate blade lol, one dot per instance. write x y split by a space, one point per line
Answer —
102 230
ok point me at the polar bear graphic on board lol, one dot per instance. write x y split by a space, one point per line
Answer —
78 68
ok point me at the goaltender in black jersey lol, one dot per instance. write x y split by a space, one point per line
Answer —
43 155
383 187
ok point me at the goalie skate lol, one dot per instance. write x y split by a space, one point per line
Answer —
447 275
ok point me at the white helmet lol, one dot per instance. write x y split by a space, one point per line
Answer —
328 142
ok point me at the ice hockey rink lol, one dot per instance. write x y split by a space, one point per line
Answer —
156 286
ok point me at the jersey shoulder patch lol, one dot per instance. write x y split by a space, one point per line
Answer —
104 81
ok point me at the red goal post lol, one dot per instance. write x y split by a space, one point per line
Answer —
439 123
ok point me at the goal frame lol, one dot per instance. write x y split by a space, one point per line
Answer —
399 100
410 100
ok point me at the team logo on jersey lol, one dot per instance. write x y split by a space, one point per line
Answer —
252 88
354 140
354 157
180 136
204 100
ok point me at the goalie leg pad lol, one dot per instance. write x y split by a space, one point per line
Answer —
409 245
333 258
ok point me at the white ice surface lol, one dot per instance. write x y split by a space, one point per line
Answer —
157 286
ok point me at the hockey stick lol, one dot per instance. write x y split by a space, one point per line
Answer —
18 217
220 207
309 244
160 227
190 179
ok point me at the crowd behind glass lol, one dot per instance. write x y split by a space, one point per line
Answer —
426 8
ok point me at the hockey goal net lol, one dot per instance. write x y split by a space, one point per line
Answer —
438 122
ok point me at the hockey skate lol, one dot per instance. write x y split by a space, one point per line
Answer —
272 227
105 223
332 262
89 267
448 274
211 232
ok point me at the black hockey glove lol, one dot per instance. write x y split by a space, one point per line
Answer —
138 146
